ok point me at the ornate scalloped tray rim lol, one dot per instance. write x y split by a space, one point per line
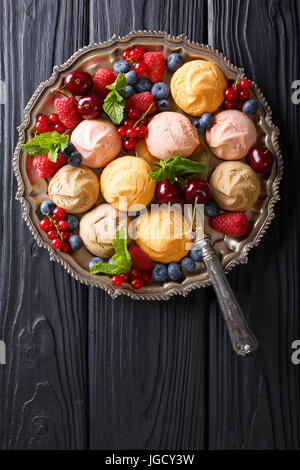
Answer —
177 289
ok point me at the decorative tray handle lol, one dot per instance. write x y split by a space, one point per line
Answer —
243 340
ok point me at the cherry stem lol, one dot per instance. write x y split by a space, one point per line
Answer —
59 90
55 225
266 151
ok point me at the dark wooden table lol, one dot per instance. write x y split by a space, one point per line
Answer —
84 371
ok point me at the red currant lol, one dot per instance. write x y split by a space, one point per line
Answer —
39 116
133 113
128 123
245 84
144 121
239 104
60 128
46 225
42 124
139 51
146 277
117 280
56 243
131 132
136 283
52 234
230 94
134 55
122 131
141 131
63 225
65 247
243 95
135 272
125 277
228 104
126 53
140 68
65 235
59 213
53 119
129 144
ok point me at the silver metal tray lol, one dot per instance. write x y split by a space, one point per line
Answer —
230 250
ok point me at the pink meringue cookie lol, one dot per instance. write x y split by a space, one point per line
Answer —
232 135
171 134
98 142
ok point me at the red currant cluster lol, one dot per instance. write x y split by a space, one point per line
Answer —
133 128
237 93
133 55
49 124
56 228
136 277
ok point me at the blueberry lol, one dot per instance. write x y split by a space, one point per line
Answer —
174 271
250 107
206 120
196 254
127 92
75 242
69 149
73 222
188 263
160 90
47 207
95 260
174 61
131 77
163 105
199 126
74 159
121 66
110 261
211 209
160 272
143 84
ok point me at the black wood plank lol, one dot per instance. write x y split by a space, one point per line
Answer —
147 359
254 403
43 318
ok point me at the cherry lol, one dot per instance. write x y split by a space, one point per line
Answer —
136 283
52 234
168 192
53 119
128 123
197 188
133 113
229 104
117 280
125 277
129 144
46 225
56 243
141 131
135 272
42 124
78 83
59 213
121 131
245 84
65 247
131 132
89 107
65 235
60 128
63 225
260 159
140 68
243 95
230 94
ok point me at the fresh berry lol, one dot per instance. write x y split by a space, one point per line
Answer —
128 123
131 77
174 61
239 104
125 277
75 159
160 272
188 263
127 92
135 272
56 243
69 149
121 131
65 235
243 95
133 113
229 94
129 144
60 128
63 225
39 116
174 271
250 107
207 120
117 280
260 159
73 222
47 207
195 254
229 104
197 188
199 126
75 242
141 131
146 277
126 53
102 78
45 167
155 65
111 261
163 105
139 52
143 84
142 101
121 66
139 259
89 107
67 111
59 213
168 192
42 124
140 68
160 90
136 283
131 132
53 119
234 224
94 261
78 83
46 225
245 84
65 247
52 234
211 208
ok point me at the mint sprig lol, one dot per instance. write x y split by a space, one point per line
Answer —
176 166
48 143
114 103
121 258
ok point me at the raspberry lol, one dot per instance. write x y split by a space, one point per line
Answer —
102 78
45 167
234 224
67 111
155 65
139 259
142 101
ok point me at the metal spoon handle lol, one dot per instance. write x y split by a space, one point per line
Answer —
243 340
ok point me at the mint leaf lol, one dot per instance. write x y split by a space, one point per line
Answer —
176 166
114 106
48 143
119 83
105 268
